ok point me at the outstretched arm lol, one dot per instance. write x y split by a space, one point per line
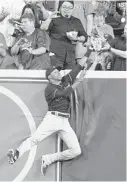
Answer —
117 52
43 10
120 53
75 71
79 80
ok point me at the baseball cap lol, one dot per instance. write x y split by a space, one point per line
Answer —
49 71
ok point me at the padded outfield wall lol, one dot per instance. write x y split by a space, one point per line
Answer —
100 113
98 117
22 108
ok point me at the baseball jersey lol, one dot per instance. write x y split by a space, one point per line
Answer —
58 96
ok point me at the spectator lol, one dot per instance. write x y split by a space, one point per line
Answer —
62 44
118 47
99 21
84 11
49 5
40 13
116 17
100 34
40 9
11 9
36 11
3 48
30 46
105 5
33 7
6 61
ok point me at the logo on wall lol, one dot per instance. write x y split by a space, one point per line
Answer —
17 100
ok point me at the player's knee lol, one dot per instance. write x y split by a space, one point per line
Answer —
76 151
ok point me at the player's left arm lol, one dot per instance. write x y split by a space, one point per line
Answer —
70 77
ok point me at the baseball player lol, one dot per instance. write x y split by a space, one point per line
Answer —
57 94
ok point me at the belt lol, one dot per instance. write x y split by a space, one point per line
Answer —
60 114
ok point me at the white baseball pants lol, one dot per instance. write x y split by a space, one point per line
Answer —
54 124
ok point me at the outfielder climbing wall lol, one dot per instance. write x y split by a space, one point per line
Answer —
22 108
99 119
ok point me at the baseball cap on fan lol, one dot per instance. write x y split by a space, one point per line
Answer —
49 71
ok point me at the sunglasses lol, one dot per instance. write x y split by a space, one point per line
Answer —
66 7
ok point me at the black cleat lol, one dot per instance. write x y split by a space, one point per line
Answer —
12 156
44 166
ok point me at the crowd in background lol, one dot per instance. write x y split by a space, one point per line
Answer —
37 34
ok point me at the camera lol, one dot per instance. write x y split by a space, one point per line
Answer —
17 27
